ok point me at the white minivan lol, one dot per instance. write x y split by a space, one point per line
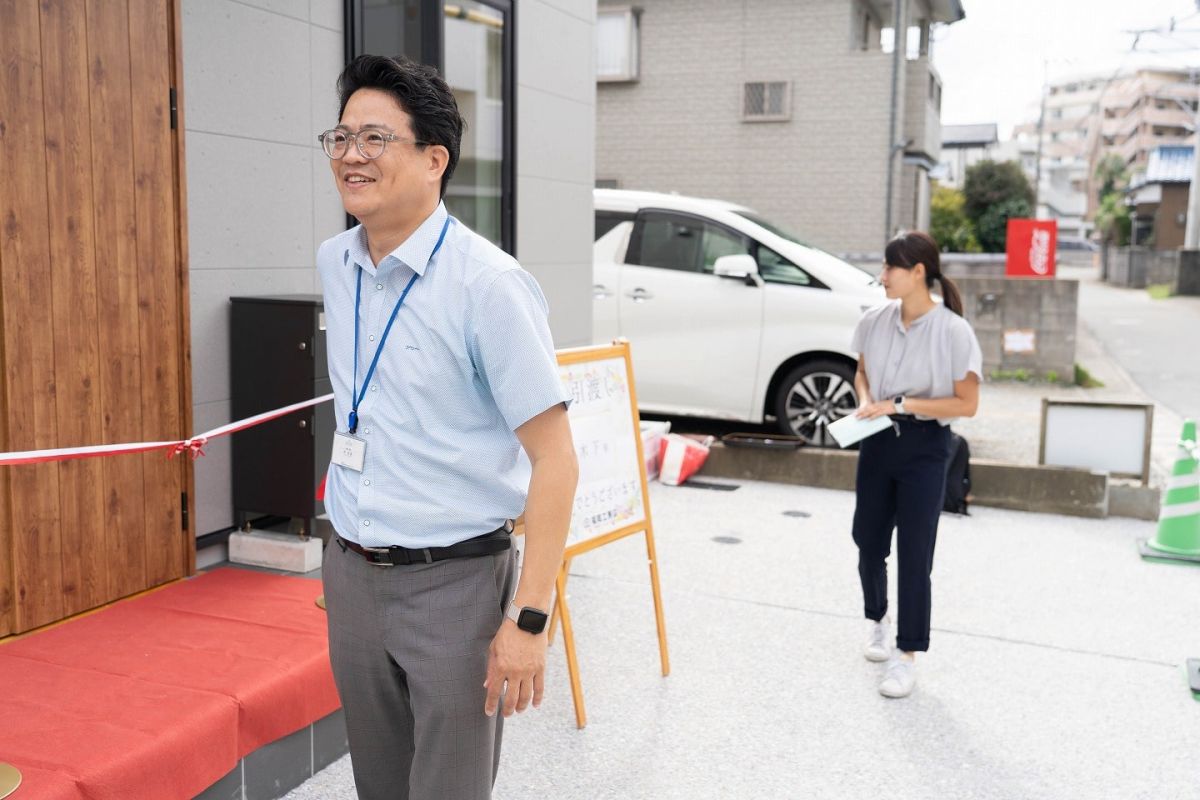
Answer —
728 316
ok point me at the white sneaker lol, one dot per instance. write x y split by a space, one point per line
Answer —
878 646
900 678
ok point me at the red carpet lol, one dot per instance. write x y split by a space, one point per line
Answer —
158 697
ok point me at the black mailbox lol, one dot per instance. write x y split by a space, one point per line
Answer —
277 357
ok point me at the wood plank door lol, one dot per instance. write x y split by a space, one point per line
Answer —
93 304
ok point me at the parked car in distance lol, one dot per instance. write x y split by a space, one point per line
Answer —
1077 243
1076 251
728 315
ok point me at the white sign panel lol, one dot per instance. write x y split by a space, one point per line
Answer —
1020 340
1107 438
609 496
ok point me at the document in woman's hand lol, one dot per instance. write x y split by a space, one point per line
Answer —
851 429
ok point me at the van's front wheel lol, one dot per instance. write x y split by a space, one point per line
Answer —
812 396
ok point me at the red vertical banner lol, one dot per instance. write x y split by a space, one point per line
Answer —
1030 251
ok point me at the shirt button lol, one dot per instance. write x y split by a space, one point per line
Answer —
372 337
366 430
375 388
367 523
379 286
367 482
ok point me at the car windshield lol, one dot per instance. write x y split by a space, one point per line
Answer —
791 237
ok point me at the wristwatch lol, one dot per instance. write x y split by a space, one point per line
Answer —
529 619
898 402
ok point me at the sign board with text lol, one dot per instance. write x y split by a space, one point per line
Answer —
612 499
605 429
1031 248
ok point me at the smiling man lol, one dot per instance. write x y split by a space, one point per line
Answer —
443 369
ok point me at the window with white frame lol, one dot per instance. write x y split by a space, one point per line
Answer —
616 44
766 101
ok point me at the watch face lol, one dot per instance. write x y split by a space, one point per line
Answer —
532 620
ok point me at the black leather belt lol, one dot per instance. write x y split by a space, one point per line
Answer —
911 418
488 544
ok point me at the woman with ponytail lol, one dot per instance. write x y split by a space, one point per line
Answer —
920 364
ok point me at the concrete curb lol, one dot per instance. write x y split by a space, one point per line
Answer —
1053 490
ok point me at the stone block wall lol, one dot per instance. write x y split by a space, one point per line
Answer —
1049 308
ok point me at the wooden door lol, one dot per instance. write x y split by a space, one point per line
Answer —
93 303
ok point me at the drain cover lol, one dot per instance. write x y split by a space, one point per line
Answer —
801 514
726 540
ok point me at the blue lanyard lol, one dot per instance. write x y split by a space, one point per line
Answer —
357 395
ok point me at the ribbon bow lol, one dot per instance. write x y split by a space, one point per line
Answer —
193 446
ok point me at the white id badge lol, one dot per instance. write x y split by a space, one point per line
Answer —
349 451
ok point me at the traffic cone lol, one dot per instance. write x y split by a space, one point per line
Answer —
1178 537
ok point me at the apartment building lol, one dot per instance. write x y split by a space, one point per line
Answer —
1087 117
785 107
964 146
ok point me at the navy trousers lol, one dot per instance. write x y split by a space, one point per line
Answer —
900 484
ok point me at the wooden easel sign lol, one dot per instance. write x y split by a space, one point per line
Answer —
612 500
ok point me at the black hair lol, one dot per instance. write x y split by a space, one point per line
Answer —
907 250
421 93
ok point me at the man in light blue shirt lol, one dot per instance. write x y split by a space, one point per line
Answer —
443 370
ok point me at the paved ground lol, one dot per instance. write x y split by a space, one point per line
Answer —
1056 669
1153 340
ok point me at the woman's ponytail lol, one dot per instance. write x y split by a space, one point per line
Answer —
950 294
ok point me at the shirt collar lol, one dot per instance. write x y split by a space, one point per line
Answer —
414 252
918 321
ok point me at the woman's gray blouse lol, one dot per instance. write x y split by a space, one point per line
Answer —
938 349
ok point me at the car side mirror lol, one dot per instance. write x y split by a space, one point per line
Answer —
740 266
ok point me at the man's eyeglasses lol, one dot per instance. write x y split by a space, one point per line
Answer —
370 142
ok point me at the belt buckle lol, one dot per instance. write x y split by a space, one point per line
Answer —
382 551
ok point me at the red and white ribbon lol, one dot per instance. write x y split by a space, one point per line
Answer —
194 445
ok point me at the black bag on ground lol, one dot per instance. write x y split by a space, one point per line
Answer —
958 476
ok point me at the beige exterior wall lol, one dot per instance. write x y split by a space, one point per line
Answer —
822 173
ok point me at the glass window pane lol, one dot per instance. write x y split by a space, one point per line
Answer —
612 44
720 242
391 27
607 220
777 269
474 57
670 243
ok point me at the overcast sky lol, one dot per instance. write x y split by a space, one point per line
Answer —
991 63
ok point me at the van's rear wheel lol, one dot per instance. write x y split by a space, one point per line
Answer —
813 395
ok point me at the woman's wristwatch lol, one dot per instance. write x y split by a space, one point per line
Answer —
898 402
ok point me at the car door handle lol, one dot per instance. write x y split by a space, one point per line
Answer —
600 292
639 295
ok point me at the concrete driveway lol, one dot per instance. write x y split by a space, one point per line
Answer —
1056 668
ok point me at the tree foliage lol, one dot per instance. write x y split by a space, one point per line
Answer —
992 227
948 224
993 193
1112 215
1111 173
1113 220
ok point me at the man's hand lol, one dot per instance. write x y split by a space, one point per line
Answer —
517 658
873 410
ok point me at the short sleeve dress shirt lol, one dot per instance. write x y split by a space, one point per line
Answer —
924 360
468 361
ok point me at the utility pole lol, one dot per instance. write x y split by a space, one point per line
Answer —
1037 167
1191 236
899 41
